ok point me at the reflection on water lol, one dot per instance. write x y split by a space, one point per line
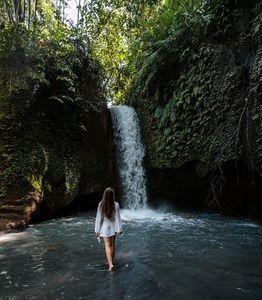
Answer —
161 255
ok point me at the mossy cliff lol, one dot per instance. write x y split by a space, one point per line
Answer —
198 96
54 128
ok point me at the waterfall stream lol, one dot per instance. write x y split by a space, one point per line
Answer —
130 154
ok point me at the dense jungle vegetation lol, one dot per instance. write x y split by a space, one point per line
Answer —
121 35
191 68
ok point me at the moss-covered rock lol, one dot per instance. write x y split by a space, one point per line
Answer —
199 101
54 129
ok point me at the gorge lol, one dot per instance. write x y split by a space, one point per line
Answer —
165 253
197 94
159 99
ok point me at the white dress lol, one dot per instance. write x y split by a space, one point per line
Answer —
107 227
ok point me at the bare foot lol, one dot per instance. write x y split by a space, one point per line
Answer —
110 268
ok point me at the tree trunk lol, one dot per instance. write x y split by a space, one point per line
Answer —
29 13
9 12
24 13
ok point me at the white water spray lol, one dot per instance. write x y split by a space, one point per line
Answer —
130 154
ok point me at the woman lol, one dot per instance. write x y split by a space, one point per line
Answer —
108 224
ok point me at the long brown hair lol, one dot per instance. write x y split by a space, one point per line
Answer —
108 203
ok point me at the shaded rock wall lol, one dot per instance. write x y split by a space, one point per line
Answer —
82 168
201 112
56 136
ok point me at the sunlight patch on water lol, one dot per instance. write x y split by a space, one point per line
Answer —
12 236
246 224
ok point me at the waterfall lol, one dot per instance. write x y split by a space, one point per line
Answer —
130 154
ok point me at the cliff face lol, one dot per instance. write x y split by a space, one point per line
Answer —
201 112
55 133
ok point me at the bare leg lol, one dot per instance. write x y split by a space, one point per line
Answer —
107 243
113 248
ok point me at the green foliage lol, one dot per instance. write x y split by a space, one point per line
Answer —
187 88
48 83
110 26
123 36
26 168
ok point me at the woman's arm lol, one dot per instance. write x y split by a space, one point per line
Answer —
118 222
98 221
